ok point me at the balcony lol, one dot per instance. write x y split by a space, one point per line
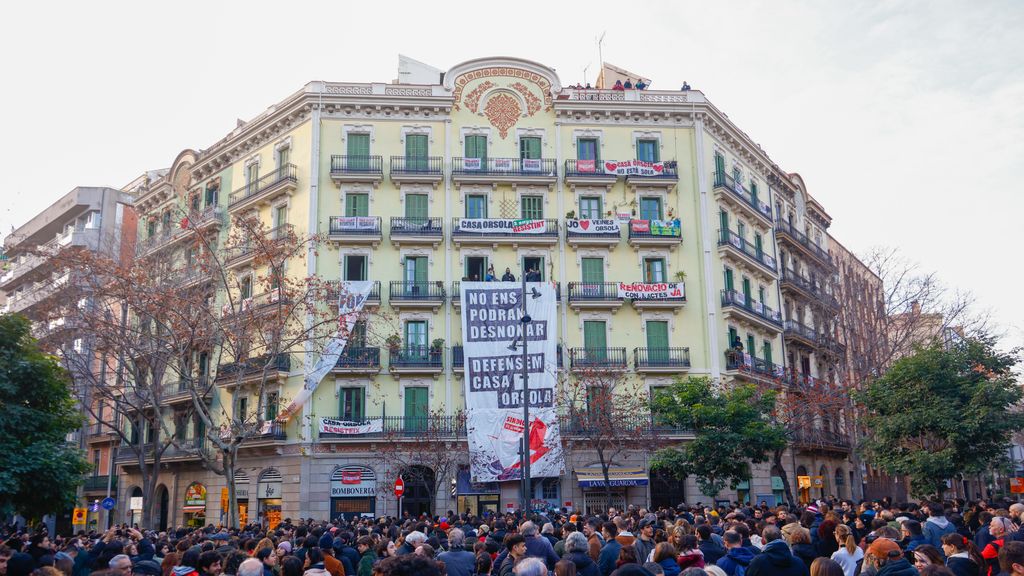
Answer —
99 483
832 346
412 170
416 360
364 169
751 367
799 333
793 282
180 391
594 295
270 435
605 232
211 217
22 301
541 171
587 173
661 360
597 359
788 233
416 231
333 295
504 231
363 230
244 254
283 180
584 424
405 294
737 196
655 233
252 370
737 249
811 439
21 269
737 305
407 427
358 360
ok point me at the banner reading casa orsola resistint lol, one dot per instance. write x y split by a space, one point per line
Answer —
335 426
652 290
502 226
353 295
493 362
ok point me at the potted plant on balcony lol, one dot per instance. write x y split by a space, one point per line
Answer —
680 276
435 350
570 215
394 343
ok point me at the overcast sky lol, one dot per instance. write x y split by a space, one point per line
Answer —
905 119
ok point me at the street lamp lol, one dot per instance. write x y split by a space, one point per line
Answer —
524 466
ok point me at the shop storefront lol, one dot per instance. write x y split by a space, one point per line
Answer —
242 496
353 492
475 497
620 480
268 498
195 505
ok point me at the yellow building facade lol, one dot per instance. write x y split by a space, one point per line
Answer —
414 187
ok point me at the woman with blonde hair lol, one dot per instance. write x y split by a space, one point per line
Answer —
849 554
799 540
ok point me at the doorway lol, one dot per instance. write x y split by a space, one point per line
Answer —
419 489
164 498
534 263
476 268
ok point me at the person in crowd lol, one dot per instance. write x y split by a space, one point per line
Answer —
689 553
530 567
640 84
937 525
999 527
962 558
799 539
489 276
627 85
885 558
685 87
618 85
913 535
291 566
711 549
610 551
775 558
508 276
737 556
577 551
409 565
644 542
826 567
849 556
926 555
251 567
268 559
1011 558
209 564
665 555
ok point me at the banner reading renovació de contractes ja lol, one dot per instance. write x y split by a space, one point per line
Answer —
652 290
493 362
353 296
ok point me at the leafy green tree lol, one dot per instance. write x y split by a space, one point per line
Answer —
40 471
943 411
732 426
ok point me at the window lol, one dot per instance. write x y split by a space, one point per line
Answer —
476 206
657 340
245 287
549 488
746 290
598 400
242 412
252 173
723 223
529 147
647 150
534 263
280 215
416 206
590 208
283 155
758 245
352 407
751 349
416 337
650 208
151 229
416 152
165 220
719 168
767 351
592 270
532 207
729 285
93 219
594 336
753 192
95 463
195 203
760 294
416 274
654 270
476 146
211 196
357 205
204 366
741 229
476 267
587 149
358 150
355 267
734 337
190 257
357 338
417 408
273 399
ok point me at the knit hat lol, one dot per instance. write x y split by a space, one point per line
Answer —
884 548
812 508
326 541
286 545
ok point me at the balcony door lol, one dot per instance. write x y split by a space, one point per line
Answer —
352 402
417 408
586 149
534 263
590 208
476 147
358 150
416 152
657 342
416 340
529 148
476 268
355 267
416 208
416 275
650 208
357 205
654 270
476 206
532 207
595 341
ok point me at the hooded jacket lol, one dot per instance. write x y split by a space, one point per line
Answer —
712 551
584 565
692 560
898 567
738 556
776 560
935 528
184 571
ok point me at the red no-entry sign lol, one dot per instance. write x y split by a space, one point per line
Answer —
399 487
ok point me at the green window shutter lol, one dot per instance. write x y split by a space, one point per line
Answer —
357 205
753 192
751 346
593 270
594 336
760 294
416 206
416 336
733 336
358 151
657 339
729 285
746 289
417 409
419 265
529 148
720 168
723 220
532 207
352 404
768 352
416 152
758 246
476 147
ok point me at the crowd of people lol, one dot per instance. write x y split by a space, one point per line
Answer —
823 538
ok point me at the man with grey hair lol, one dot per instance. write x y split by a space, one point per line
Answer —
457 560
121 563
538 546
577 551
412 540
250 567
530 567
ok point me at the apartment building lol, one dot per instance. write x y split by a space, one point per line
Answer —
96 219
417 187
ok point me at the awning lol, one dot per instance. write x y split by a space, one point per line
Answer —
593 477
194 509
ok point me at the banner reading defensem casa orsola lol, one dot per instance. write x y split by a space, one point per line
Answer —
493 361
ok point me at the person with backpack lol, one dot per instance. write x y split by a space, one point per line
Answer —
999 527
737 556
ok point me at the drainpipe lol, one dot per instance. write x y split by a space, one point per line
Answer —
449 305
707 243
